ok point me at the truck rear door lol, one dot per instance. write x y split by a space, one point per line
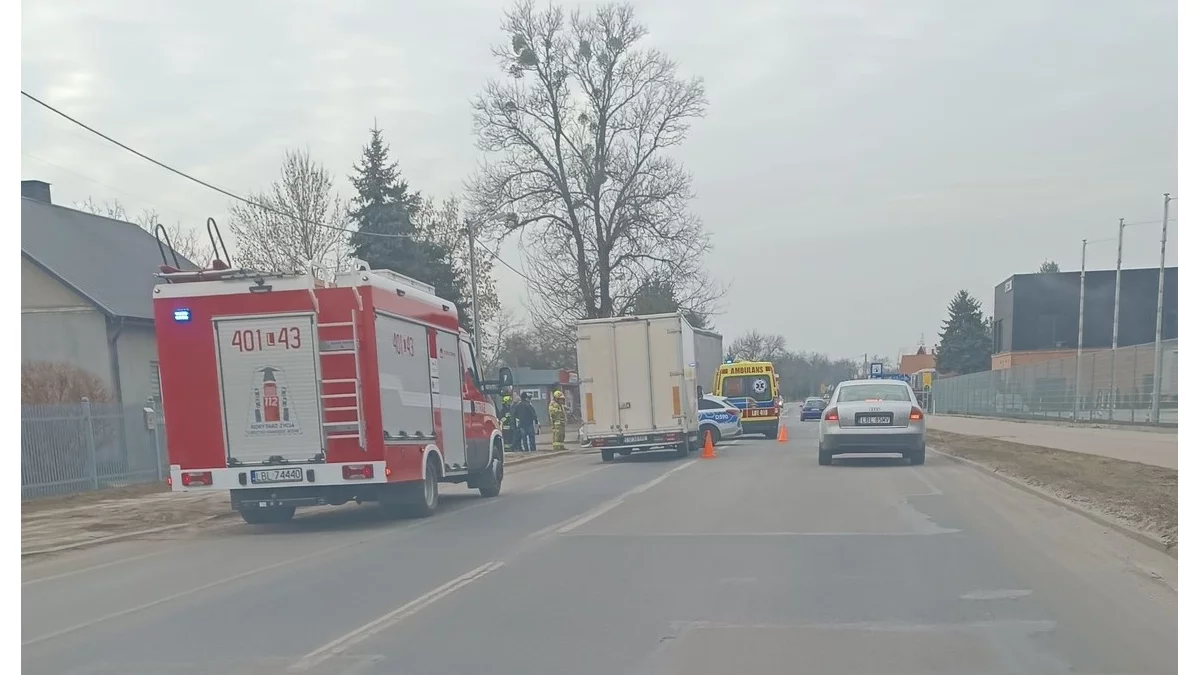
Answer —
270 388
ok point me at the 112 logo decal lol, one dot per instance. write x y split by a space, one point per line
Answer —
270 408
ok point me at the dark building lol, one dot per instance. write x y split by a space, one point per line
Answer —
1040 313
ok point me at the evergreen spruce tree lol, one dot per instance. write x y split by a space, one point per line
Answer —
965 340
385 205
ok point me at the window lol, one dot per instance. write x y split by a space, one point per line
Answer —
857 393
709 404
469 365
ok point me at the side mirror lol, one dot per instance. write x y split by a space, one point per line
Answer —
506 377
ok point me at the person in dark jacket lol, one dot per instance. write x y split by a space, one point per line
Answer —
527 422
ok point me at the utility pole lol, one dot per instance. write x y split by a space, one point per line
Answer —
1112 368
476 327
1156 397
1079 336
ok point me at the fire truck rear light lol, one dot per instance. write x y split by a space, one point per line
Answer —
387 471
831 415
358 471
191 478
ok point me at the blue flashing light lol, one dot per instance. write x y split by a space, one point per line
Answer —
183 315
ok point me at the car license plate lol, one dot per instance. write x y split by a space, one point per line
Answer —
636 439
288 475
874 420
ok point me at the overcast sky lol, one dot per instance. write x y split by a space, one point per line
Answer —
861 160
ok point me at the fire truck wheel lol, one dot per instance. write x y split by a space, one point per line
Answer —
426 494
261 516
493 476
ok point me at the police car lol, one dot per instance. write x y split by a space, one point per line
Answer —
719 417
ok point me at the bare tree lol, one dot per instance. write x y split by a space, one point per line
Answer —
184 242
577 132
756 346
496 335
445 226
293 233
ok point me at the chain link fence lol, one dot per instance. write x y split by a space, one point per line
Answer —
88 446
1115 385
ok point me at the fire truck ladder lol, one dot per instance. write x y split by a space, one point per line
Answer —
343 402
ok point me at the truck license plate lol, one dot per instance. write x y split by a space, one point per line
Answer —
289 475
636 439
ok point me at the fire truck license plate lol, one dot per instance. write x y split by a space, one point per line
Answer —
290 475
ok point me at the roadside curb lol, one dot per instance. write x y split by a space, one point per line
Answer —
1100 519
191 523
124 535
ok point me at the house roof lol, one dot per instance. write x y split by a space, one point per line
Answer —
110 262
915 363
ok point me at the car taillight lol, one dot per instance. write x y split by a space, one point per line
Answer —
733 411
831 415
190 478
358 471
916 415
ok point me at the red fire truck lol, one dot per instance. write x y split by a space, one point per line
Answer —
288 391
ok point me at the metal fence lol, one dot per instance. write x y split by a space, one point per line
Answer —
88 446
1115 385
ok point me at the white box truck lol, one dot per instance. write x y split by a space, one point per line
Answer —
637 381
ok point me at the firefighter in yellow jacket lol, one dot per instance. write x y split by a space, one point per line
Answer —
558 421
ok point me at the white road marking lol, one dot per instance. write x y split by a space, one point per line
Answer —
560 481
565 526
341 644
93 568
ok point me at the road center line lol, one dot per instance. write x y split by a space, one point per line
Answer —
341 644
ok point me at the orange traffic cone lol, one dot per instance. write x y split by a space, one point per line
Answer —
710 452
782 438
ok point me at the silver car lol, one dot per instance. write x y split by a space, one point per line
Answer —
872 416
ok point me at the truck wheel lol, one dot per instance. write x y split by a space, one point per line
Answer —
424 496
682 450
607 455
493 476
262 516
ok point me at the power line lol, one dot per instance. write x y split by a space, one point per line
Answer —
201 182
238 197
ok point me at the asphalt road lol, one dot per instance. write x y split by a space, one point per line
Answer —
757 562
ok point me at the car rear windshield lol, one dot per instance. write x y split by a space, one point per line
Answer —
757 387
873 392
813 401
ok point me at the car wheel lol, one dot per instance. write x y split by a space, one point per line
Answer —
824 457
713 431
917 457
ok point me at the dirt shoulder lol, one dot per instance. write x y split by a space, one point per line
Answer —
1142 497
